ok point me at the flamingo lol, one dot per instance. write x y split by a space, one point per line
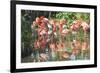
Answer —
75 25
65 31
53 22
37 44
45 20
42 17
38 20
54 27
33 24
85 26
62 22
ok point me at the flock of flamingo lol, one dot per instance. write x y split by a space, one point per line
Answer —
50 43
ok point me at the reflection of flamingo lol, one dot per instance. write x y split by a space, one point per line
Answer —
60 50
76 44
76 49
84 45
43 57
53 50
43 43
52 46
84 49
36 50
65 55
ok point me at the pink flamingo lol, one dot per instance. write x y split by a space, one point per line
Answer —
75 25
85 26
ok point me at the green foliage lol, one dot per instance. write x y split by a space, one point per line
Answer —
71 16
26 30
